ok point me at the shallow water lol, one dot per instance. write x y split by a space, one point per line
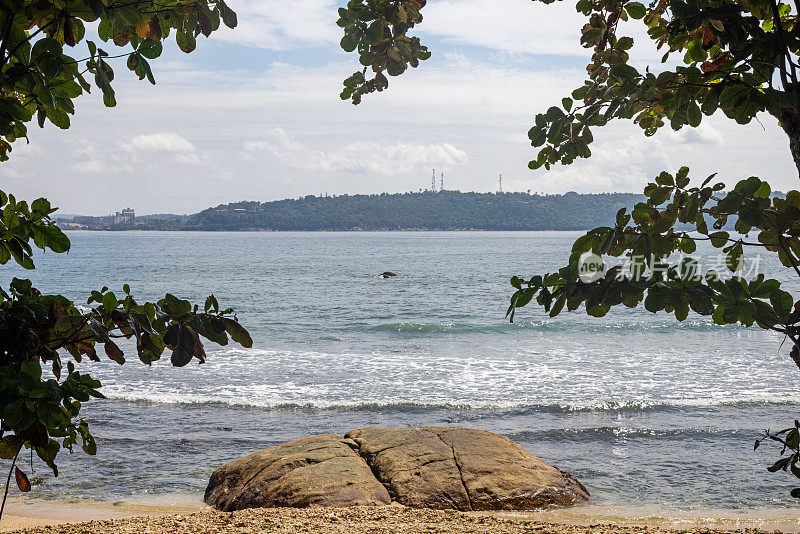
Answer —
641 409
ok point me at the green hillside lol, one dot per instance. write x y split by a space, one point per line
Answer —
442 210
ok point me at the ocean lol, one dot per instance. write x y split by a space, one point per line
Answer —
643 410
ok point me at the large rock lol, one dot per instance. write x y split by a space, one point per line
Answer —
465 469
422 467
314 471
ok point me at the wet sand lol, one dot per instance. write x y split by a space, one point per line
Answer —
30 514
58 518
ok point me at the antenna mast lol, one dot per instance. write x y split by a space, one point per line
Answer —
433 181
441 184
500 184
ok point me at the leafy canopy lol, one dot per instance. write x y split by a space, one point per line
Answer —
39 407
738 57
40 400
659 271
38 77
378 30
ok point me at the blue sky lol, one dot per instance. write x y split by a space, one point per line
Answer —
254 114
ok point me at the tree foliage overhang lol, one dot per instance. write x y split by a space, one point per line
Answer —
41 396
739 57
39 79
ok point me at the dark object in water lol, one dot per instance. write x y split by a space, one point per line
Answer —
387 274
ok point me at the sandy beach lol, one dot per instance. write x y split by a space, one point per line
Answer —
52 518
32 513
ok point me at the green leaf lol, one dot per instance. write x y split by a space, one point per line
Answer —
32 368
793 439
349 42
238 333
47 46
635 10
114 352
524 297
150 48
129 14
55 239
734 257
212 304
184 348
783 463
598 310
693 115
89 445
583 244
655 300
696 51
228 15
781 302
174 306
15 415
625 43
186 41
682 311
110 302
10 446
558 305
14 108
719 239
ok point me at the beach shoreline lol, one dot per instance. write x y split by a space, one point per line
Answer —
29 513
66 518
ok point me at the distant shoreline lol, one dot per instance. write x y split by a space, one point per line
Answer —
353 231
450 211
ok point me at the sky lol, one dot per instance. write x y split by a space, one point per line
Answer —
254 114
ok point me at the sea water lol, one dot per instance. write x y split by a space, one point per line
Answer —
643 410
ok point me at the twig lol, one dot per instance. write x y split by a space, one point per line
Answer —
8 481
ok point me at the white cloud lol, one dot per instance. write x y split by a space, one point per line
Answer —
160 147
617 164
90 159
281 25
481 104
89 166
359 156
623 159
159 142
511 25
527 28
705 133
171 144
23 155
192 158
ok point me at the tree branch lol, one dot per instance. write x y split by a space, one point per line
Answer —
6 33
778 31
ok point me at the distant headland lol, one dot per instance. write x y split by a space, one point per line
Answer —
439 210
